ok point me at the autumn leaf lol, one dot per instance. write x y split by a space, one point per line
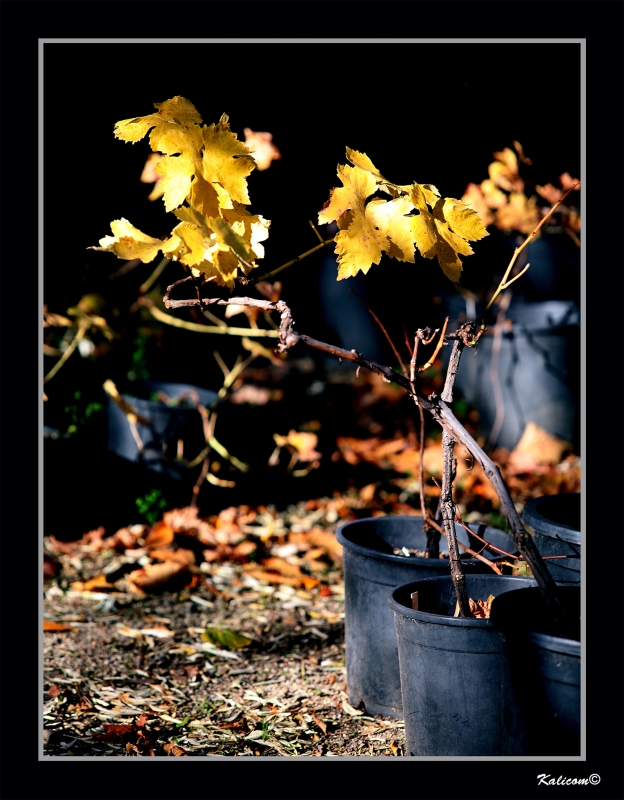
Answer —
56 627
158 577
519 214
302 442
206 167
97 584
226 161
261 146
160 535
128 242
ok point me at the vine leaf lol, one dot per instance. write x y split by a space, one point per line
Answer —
201 174
416 216
129 243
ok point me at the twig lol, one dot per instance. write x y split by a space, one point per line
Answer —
147 285
383 330
318 235
467 549
83 327
224 329
268 275
497 343
504 284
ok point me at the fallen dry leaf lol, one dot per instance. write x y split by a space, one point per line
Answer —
272 577
535 449
173 749
158 577
97 584
160 535
181 556
57 627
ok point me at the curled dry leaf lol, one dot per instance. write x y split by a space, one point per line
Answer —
158 577
160 535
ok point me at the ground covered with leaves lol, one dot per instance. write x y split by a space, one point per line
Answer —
220 632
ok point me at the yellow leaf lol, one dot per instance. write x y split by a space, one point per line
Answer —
175 180
433 236
196 244
178 109
359 247
363 161
204 196
390 217
170 139
227 237
226 161
129 242
463 220
358 184
253 229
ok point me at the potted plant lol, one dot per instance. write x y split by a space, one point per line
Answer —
203 171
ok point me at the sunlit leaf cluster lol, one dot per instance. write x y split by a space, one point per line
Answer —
202 174
415 217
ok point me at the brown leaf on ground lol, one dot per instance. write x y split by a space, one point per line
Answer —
326 539
536 448
58 547
54 690
282 566
98 584
169 576
181 556
173 749
160 535
271 577
56 627
115 733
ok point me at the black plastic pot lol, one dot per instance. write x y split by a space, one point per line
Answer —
541 674
370 570
538 369
554 521
168 425
451 668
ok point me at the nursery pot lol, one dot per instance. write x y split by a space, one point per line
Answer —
554 522
537 370
168 425
541 673
370 571
451 668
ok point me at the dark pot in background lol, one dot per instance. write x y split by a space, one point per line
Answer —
370 571
451 668
168 425
538 369
541 674
554 522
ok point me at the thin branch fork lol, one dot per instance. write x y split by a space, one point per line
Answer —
504 284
